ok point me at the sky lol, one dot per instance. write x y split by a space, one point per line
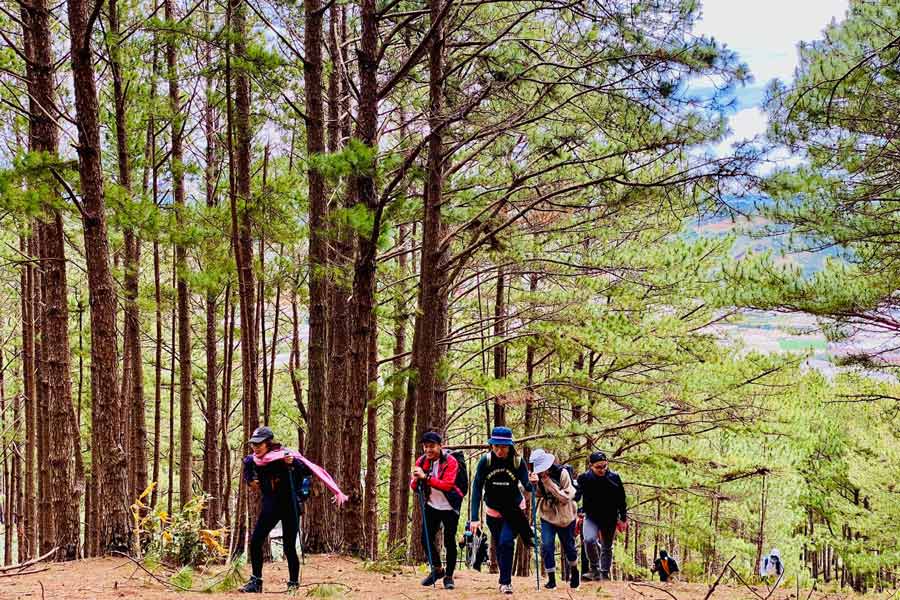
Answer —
765 34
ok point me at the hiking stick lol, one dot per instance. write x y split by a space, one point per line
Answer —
296 518
421 493
537 568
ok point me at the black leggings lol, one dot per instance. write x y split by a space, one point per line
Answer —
274 510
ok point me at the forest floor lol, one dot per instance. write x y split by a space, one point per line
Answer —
114 578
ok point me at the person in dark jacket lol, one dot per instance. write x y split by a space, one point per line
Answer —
435 473
605 511
277 473
665 566
498 476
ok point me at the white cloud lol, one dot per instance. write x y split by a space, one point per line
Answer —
765 33
745 124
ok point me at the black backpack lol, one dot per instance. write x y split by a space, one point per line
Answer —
462 474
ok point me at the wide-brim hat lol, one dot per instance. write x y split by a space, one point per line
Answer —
541 460
501 436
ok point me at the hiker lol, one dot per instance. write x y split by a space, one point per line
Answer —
771 566
558 509
604 509
435 474
665 566
277 473
497 477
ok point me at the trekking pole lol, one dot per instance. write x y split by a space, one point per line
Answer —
421 493
296 518
537 568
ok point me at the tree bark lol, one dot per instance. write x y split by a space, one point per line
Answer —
211 438
317 528
29 393
371 489
107 442
185 379
426 353
399 490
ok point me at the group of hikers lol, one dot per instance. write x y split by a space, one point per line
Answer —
440 481
501 477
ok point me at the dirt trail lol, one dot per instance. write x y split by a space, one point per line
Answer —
114 578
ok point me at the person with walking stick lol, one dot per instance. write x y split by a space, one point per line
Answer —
436 481
556 504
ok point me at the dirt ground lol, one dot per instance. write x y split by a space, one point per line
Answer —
113 578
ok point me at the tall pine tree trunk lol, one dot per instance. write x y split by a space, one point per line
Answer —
29 393
399 495
107 442
317 528
185 382
211 438
426 352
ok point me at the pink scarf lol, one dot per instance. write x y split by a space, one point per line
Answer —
327 479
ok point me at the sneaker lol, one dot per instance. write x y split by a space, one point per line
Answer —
293 586
592 575
254 586
448 582
574 579
604 575
432 578
506 589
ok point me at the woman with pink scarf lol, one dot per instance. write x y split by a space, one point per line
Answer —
277 473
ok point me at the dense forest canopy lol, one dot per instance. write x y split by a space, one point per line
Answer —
356 222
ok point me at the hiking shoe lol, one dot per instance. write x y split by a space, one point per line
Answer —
592 575
254 586
432 578
574 579
506 589
448 582
293 586
604 575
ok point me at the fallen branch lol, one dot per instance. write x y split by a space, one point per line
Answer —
655 587
812 589
153 575
747 585
28 563
41 570
719 578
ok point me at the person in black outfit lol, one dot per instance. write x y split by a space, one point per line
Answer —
279 503
665 566
605 511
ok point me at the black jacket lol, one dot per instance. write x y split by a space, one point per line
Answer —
273 477
603 498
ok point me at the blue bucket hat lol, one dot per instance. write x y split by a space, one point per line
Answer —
501 436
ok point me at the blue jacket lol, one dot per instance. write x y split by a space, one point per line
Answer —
491 462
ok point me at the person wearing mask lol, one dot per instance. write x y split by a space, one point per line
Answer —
604 505
665 566
277 472
555 491
498 478
435 474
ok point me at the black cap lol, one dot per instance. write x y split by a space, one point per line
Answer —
597 457
663 554
431 436
261 434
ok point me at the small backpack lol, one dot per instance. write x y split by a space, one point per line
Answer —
462 474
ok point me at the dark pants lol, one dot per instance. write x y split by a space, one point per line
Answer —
598 541
504 536
275 509
549 533
434 519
